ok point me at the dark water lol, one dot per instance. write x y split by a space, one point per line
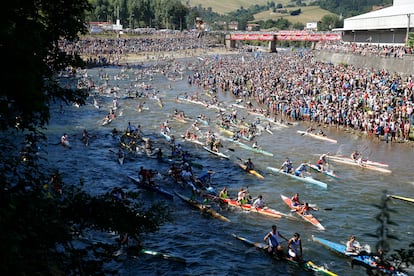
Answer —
206 243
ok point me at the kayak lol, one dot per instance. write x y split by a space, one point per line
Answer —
408 199
244 146
252 172
152 188
163 255
305 265
194 141
317 136
249 207
365 260
310 218
204 208
349 161
216 153
329 173
364 160
165 135
306 179
124 250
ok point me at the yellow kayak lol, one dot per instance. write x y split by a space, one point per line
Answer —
402 198
253 172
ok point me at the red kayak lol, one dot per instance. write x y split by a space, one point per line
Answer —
310 218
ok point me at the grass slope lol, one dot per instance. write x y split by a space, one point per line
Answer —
226 6
309 14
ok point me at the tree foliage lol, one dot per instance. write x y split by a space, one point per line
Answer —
348 8
383 234
39 224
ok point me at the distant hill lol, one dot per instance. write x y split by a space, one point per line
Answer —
226 6
308 14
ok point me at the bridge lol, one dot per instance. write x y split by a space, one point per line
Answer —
280 36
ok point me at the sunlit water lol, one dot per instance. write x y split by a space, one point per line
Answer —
206 243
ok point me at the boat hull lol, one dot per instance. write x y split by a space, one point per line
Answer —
307 179
310 218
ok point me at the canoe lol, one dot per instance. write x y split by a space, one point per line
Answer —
252 172
244 146
249 207
203 208
121 160
194 141
329 173
152 188
317 136
349 161
364 160
141 251
305 265
408 199
364 260
163 255
226 131
306 179
166 136
310 218
219 154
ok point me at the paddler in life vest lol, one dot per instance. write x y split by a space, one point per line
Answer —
223 193
272 239
295 200
305 210
322 162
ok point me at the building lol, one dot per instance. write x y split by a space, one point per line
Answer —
389 25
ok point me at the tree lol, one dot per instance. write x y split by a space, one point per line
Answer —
38 222
383 235
329 22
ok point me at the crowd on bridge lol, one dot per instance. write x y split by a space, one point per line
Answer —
291 85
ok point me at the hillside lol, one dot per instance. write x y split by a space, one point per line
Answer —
226 6
309 14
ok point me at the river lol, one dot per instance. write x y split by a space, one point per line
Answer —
206 243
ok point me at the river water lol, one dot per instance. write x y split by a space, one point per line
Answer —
206 243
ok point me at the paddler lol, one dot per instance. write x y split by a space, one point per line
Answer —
352 246
224 193
259 202
295 248
287 166
301 170
249 165
295 200
272 239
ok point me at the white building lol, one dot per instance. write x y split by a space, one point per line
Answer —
389 25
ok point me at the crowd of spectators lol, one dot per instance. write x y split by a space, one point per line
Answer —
367 49
292 85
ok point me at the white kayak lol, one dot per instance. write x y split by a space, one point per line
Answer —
317 136
306 179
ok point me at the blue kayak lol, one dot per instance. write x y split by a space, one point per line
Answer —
365 260
306 179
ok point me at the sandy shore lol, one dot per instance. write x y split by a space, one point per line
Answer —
154 56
